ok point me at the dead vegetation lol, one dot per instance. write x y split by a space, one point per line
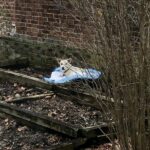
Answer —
121 49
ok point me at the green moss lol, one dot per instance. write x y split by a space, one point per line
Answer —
41 54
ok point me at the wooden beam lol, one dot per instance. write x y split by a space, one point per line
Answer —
28 117
81 100
12 76
75 96
92 132
39 120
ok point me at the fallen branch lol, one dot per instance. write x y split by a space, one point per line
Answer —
34 97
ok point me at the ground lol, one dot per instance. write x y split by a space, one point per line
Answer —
14 136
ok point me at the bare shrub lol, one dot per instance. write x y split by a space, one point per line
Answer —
118 40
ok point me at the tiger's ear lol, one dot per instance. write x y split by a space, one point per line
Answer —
58 60
69 60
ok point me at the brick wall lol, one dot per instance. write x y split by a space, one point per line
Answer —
7 7
45 20
7 15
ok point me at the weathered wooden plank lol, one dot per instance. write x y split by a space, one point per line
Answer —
49 123
77 143
23 79
84 135
34 97
12 76
92 132
85 100
76 96
39 120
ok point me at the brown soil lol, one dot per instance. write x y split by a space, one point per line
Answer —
9 91
16 137
65 111
13 136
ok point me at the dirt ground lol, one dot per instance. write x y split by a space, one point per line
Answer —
54 106
10 91
14 136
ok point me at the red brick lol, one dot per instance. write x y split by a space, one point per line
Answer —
42 19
